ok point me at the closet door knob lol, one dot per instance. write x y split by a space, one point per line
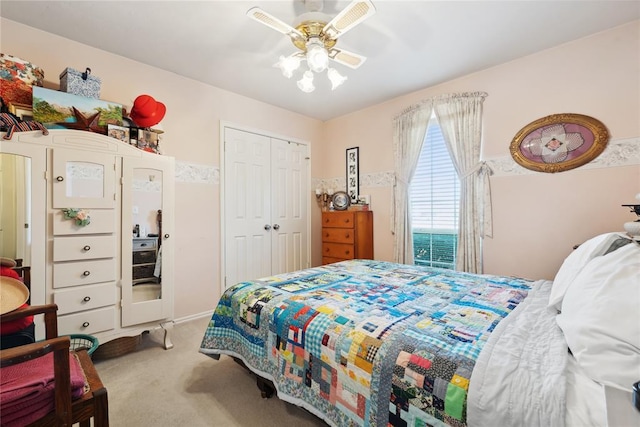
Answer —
59 178
86 273
85 325
86 299
87 248
267 227
276 227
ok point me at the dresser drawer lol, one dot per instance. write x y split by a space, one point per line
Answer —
141 257
83 272
85 298
143 271
87 322
329 260
83 247
102 221
144 243
338 235
337 250
338 219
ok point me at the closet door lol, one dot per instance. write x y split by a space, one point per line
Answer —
247 206
265 206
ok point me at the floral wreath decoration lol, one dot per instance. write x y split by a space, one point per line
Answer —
81 216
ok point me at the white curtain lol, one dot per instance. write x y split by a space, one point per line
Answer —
460 118
410 128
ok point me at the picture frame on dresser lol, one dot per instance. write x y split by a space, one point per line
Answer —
22 111
353 173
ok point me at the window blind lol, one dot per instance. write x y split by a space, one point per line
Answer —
434 196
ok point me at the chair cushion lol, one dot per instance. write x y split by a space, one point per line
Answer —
27 389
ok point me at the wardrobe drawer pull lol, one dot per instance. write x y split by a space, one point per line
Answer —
85 325
86 273
86 299
87 248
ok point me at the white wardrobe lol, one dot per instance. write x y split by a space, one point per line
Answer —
88 269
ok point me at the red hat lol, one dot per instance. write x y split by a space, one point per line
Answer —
147 111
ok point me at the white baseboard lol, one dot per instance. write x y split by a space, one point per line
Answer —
194 316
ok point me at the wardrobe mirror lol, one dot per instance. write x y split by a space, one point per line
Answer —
147 232
15 208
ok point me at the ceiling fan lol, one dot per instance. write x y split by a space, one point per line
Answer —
315 35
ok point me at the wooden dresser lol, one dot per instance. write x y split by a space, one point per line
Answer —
347 235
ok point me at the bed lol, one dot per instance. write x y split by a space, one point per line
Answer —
373 343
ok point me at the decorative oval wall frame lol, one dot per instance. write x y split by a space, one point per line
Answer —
559 142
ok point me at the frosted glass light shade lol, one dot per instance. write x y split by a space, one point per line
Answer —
335 77
317 56
288 65
306 82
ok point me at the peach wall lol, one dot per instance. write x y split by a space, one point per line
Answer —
191 125
538 217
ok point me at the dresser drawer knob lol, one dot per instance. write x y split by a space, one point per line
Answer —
346 252
86 299
85 325
347 220
347 235
87 248
86 273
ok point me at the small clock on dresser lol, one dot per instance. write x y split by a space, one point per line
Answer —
341 201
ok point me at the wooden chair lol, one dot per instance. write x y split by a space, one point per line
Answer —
92 404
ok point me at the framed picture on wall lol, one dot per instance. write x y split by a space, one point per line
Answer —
353 173
559 142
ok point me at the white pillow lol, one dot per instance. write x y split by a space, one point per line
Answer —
600 320
575 262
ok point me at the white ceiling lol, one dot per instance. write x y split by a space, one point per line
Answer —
410 45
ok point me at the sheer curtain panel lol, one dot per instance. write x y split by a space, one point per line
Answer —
460 118
410 128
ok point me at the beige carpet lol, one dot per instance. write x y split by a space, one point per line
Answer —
182 387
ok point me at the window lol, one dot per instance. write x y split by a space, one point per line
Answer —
434 202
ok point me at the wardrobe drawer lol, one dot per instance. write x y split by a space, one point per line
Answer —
338 219
85 298
83 247
337 250
102 221
83 273
87 322
337 235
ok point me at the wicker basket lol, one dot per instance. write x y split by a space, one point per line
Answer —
84 342
118 347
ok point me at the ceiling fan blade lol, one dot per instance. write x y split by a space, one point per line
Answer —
350 59
356 12
271 21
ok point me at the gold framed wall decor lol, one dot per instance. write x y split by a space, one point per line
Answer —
559 142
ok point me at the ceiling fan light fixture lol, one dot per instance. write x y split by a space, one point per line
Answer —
317 55
306 82
288 65
335 78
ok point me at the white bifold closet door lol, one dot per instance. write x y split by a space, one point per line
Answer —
266 206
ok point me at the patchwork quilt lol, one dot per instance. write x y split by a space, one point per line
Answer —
363 342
